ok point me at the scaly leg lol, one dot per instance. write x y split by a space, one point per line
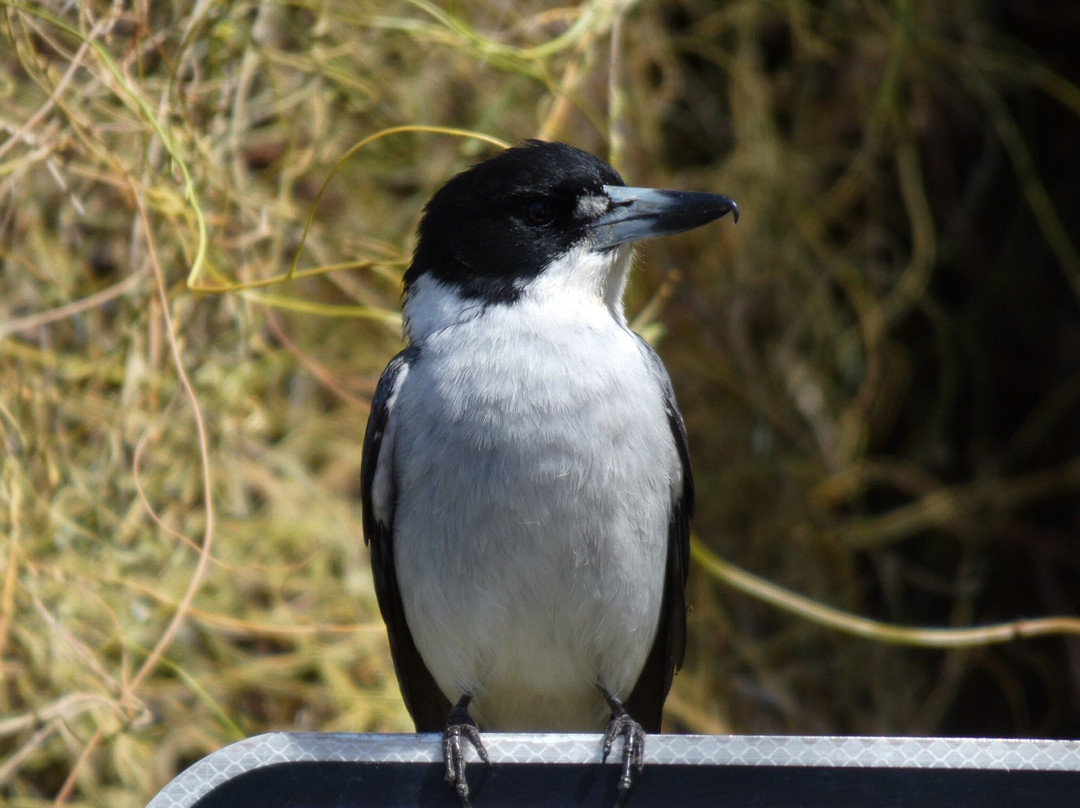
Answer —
460 724
633 735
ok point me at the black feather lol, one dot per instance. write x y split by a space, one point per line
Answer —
425 702
646 701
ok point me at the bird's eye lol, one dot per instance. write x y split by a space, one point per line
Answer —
539 211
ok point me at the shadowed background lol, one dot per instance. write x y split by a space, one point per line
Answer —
879 365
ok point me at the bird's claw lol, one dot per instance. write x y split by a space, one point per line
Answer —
633 735
460 725
633 756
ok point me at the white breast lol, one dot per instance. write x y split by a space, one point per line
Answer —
535 472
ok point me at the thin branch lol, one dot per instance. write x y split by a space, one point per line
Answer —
838 620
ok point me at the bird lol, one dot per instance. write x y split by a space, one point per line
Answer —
525 479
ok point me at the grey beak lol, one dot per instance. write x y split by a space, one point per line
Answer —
640 213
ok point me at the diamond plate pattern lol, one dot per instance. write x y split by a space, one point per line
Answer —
694 750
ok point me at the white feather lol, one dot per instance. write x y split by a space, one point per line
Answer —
535 472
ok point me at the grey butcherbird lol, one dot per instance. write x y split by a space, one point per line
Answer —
526 483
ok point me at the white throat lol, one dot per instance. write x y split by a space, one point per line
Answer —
582 278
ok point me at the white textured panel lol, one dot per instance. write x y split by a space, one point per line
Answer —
696 750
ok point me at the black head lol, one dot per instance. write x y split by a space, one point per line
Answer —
494 226
491 229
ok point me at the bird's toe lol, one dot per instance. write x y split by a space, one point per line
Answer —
459 724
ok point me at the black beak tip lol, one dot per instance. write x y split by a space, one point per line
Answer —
732 207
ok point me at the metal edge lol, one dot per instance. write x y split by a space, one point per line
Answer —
697 750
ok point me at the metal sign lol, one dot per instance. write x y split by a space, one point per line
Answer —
324 770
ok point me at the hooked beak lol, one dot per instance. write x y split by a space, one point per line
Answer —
640 213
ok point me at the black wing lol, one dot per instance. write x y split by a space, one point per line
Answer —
646 701
425 702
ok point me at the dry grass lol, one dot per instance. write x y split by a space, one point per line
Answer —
180 525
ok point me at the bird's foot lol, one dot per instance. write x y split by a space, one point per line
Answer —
633 735
459 724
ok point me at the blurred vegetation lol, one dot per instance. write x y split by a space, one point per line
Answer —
879 366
